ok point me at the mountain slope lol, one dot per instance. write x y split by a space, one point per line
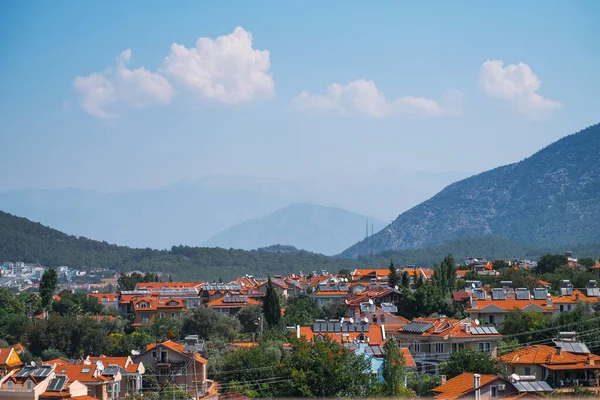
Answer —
23 240
550 198
326 230
186 213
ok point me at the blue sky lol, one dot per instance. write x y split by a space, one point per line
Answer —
415 105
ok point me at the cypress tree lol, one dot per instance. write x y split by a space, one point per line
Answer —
271 307
48 286
393 277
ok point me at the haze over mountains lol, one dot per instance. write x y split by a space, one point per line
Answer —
191 212
550 198
326 230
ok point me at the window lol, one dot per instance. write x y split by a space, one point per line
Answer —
9 385
493 391
569 307
439 347
172 315
154 354
161 314
143 304
104 299
417 346
145 318
487 347
374 319
491 319
527 371
85 371
562 308
29 385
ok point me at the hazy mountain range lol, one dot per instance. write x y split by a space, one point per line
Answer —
550 198
326 230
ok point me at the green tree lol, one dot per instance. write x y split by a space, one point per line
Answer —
334 310
524 324
248 317
422 384
586 262
47 286
165 328
468 360
325 369
393 276
51 354
271 306
550 262
499 264
301 310
394 369
405 282
207 323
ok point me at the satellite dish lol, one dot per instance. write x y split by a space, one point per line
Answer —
351 320
473 285
476 321
32 363
135 352
396 287
366 320
342 320
371 301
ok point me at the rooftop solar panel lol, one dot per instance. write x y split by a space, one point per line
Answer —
58 383
540 293
566 291
498 294
417 327
573 347
42 371
111 370
593 292
523 294
25 371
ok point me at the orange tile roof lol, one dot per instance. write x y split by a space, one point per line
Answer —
550 358
120 361
132 368
577 296
461 385
167 285
220 303
597 266
77 372
330 293
374 334
58 361
155 303
511 304
110 297
9 358
448 326
176 347
376 272
409 361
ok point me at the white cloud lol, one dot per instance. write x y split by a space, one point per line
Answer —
226 69
120 87
364 97
517 84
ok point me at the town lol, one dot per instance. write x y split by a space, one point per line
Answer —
485 329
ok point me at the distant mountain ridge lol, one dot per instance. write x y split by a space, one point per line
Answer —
550 198
319 229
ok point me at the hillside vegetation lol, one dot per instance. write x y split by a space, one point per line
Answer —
549 199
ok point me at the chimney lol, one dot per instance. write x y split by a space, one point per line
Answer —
548 301
473 301
591 361
476 385
442 380
559 351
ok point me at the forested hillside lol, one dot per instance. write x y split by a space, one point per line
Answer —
23 240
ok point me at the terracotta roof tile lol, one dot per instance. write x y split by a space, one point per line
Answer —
461 385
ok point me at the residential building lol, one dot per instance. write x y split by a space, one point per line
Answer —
147 309
558 367
27 383
232 303
493 309
108 300
9 360
345 331
375 353
131 373
432 340
180 364
103 382
475 386
61 387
